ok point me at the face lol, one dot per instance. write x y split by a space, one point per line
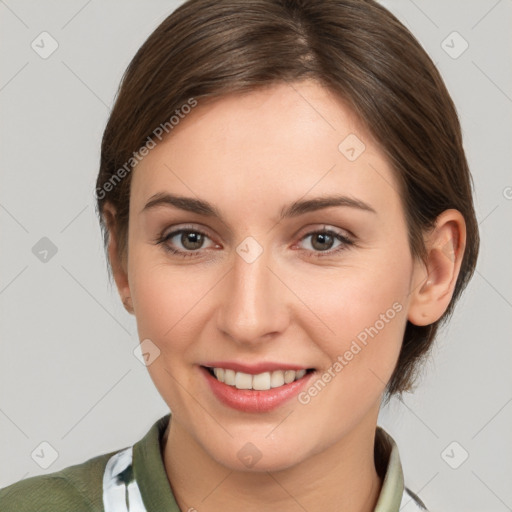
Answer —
268 279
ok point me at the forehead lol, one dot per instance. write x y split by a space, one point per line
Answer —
272 144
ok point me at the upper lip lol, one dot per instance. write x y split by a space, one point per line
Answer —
254 368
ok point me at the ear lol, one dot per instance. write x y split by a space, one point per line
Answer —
119 266
434 281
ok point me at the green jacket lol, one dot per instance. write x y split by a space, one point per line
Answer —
133 479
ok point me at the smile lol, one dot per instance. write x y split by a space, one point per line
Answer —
260 382
255 392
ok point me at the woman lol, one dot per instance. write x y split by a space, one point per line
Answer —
287 212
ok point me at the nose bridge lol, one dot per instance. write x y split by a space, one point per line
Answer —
253 304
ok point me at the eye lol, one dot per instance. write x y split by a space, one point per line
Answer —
185 242
189 242
322 241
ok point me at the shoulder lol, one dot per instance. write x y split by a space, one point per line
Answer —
77 488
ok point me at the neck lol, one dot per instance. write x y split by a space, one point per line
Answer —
341 477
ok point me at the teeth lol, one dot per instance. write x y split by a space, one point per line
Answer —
289 376
277 379
300 374
261 381
243 381
229 377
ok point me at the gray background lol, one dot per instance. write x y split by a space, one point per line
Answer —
68 375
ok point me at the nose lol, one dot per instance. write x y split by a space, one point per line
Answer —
253 308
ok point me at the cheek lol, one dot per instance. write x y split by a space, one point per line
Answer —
361 335
167 304
359 313
169 313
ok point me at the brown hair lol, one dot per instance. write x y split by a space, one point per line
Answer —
355 48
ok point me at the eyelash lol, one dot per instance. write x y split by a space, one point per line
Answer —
346 242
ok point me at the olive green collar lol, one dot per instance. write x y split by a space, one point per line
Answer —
156 491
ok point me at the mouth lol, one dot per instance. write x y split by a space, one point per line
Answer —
259 382
255 392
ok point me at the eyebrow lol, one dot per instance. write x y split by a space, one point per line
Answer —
299 207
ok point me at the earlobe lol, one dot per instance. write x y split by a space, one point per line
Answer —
118 267
434 280
127 302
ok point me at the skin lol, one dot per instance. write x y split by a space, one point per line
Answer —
250 155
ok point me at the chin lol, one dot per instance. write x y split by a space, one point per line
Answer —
258 455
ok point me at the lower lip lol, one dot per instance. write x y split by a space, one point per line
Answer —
250 400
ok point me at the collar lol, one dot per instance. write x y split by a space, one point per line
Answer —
135 479
389 468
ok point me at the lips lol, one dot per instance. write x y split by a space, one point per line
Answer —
260 388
